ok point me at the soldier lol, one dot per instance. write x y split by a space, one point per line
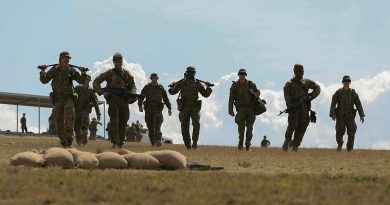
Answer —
93 128
118 106
344 114
86 99
156 97
242 94
298 119
61 77
265 142
23 123
189 106
52 124
108 130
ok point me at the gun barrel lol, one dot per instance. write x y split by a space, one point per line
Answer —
207 83
51 65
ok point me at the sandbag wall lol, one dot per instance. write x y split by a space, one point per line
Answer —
123 159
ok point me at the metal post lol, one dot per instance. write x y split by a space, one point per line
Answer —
39 115
104 120
17 118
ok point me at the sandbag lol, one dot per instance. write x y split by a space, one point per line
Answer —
30 159
111 160
124 151
170 159
58 157
85 160
141 161
72 150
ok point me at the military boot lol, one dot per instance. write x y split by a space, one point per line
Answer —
295 147
349 148
248 148
114 146
339 147
158 143
240 144
194 145
285 146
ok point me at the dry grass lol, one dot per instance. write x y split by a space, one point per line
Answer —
263 176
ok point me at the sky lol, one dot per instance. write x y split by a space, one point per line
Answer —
330 38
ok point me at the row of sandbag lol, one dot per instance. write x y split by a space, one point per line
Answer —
73 158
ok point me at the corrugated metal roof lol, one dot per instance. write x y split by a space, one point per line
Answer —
27 100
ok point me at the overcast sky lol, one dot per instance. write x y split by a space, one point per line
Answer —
330 38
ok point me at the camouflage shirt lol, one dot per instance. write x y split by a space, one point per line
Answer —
345 101
189 89
154 94
62 80
86 99
114 80
294 89
240 94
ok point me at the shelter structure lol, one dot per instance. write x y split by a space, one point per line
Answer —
39 101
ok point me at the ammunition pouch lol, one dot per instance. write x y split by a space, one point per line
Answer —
354 113
180 104
313 117
52 97
198 105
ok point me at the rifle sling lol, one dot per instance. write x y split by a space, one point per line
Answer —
123 78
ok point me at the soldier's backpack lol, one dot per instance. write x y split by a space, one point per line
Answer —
259 104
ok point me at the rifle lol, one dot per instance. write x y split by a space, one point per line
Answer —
294 106
74 66
123 92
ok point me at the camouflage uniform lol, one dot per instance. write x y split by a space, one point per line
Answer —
265 142
86 98
63 107
23 122
118 106
342 107
156 97
191 106
93 128
243 100
298 119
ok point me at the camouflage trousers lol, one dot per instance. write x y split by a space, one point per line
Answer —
118 110
81 126
92 134
298 121
348 124
24 128
245 117
185 115
153 120
64 114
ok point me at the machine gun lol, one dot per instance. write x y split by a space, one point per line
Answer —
74 66
305 97
123 92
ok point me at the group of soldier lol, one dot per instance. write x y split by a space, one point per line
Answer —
73 105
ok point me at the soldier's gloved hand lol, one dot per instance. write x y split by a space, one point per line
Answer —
362 119
231 113
169 112
98 117
141 109
334 117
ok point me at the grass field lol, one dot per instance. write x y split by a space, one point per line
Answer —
263 176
